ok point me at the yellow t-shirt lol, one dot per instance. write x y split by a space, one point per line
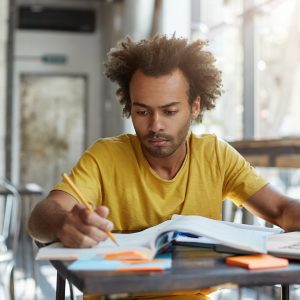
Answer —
115 173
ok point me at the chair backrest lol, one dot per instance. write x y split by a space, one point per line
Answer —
9 217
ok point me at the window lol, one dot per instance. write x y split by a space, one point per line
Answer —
277 29
222 29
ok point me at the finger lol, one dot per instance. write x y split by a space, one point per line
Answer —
93 226
96 219
90 218
102 211
90 223
79 209
76 239
95 233
74 233
81 240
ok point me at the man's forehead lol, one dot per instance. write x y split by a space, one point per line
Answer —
141 104
143 73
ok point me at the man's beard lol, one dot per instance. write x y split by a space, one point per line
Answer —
157 151
163 151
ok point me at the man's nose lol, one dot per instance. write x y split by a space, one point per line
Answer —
156 123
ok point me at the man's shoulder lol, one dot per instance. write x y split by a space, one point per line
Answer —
208 142
206 138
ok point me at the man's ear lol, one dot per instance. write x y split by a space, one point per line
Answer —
196 107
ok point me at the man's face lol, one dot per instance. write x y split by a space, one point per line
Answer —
160 111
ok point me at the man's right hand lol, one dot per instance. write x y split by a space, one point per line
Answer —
81 228
59 216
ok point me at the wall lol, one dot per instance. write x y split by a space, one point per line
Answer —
83 58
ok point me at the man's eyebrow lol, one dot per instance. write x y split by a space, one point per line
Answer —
163 106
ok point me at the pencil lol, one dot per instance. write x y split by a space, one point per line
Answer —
84 202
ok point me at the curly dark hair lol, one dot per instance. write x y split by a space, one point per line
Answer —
159 56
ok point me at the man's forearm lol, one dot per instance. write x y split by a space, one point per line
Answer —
45 221
290 219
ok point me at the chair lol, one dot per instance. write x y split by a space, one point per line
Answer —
9 233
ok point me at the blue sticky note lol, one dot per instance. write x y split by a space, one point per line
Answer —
161 261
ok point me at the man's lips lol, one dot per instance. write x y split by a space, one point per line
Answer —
157 141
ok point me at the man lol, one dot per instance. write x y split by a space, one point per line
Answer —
137 181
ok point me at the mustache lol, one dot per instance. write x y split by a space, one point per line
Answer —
162 136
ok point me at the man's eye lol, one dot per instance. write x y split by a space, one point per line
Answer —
142 112
170 112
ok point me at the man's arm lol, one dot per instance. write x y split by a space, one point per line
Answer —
59 217
275 207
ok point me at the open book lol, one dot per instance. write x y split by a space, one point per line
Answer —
195 230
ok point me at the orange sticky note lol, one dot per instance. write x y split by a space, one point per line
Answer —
141 261
141 269
126 255
257 261
135 261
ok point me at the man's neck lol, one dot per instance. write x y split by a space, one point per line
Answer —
168 167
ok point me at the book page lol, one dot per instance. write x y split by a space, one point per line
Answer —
226 234
143 241
285 244
237 236
271 230
144 238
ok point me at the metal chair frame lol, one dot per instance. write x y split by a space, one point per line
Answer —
9 235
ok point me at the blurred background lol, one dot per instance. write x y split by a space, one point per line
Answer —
55 100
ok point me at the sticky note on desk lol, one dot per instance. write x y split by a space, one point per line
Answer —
160 263
257 261
126 255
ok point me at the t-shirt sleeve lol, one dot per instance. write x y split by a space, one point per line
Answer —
87 178
241 180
